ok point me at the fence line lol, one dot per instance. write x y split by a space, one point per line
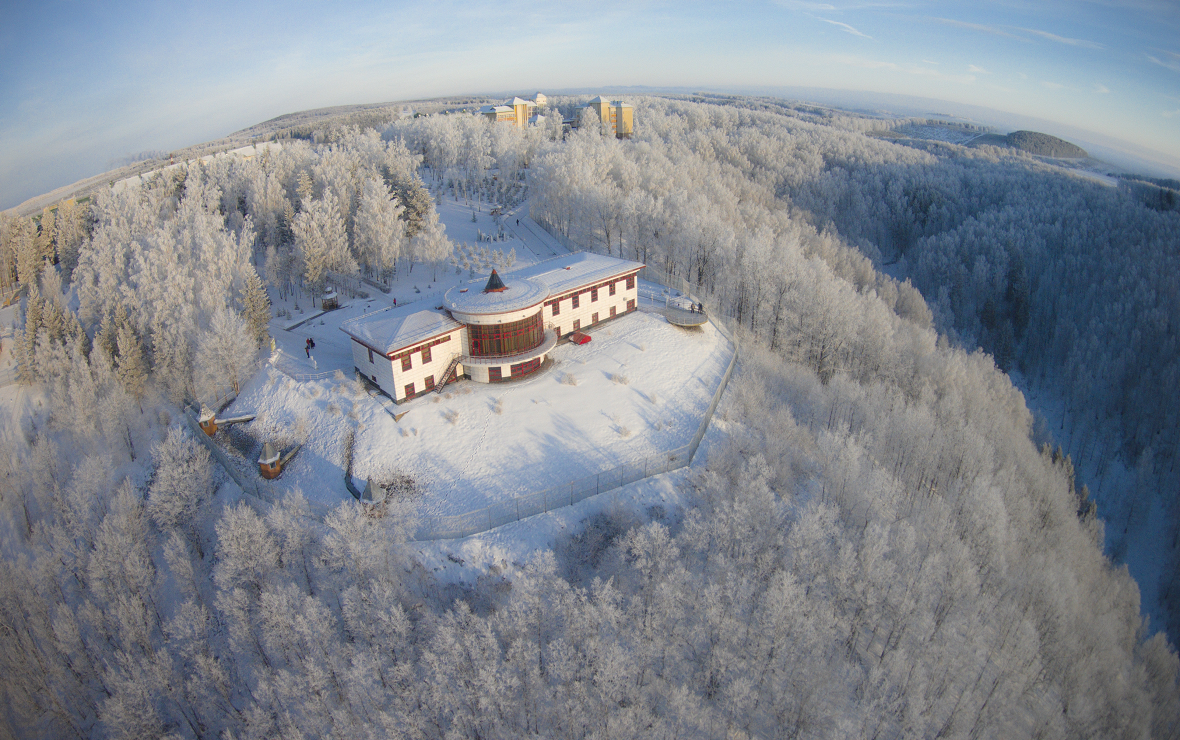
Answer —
248 484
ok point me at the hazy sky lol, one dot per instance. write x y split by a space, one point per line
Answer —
82 84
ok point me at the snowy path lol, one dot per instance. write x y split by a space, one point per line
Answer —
538 241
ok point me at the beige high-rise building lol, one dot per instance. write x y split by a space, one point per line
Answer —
617 115
516 111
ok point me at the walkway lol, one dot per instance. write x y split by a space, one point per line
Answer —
536 240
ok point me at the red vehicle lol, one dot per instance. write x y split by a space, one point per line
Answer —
578 337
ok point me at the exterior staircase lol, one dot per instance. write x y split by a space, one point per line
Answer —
446 374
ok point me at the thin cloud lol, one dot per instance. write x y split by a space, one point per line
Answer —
1170 113
1171 60
994 30
1063 39
1100 88
845 27
928 61
812 7
1052 85
977 70
910 69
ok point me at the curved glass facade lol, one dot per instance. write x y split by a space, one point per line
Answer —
501 340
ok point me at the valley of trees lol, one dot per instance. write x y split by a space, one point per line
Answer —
875 545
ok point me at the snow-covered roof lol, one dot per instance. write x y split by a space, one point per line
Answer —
598 99
393 328
518 293
519 101
570 271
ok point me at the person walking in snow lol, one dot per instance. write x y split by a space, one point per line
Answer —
307 348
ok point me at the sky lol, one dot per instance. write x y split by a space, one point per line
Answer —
83 85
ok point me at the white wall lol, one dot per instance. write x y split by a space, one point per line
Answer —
587 308
390 376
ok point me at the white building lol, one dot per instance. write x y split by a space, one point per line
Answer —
491 331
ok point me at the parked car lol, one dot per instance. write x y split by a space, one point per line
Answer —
578 337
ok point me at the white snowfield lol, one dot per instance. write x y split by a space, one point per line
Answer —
642 387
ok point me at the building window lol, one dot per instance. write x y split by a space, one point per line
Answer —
370 356
576 296
406 363
577 324
524 368
493 374
594 318
425 355
612 288
593 294
612 312
557 329
429 382
374 377
556 308
499 340
409 389
630 282
630 305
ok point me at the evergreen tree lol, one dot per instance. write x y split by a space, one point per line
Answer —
256 306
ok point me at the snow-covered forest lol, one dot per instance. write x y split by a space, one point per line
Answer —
876 545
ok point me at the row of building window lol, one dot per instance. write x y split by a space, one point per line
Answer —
501 340
594 317
575 299
428 383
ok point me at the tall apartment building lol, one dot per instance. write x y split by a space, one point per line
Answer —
516 111
617 115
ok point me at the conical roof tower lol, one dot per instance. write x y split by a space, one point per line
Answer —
495 284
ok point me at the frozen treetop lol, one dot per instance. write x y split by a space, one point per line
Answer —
392 328
473 297
569 271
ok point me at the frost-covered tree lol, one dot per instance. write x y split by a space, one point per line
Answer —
256 307
380 230
225 354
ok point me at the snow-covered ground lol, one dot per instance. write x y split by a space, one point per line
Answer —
934 132
640 388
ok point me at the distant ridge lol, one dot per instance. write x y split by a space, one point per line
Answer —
1034 142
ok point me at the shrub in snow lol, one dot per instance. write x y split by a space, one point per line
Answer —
451 415
624 432
333 409
569 379
620 379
